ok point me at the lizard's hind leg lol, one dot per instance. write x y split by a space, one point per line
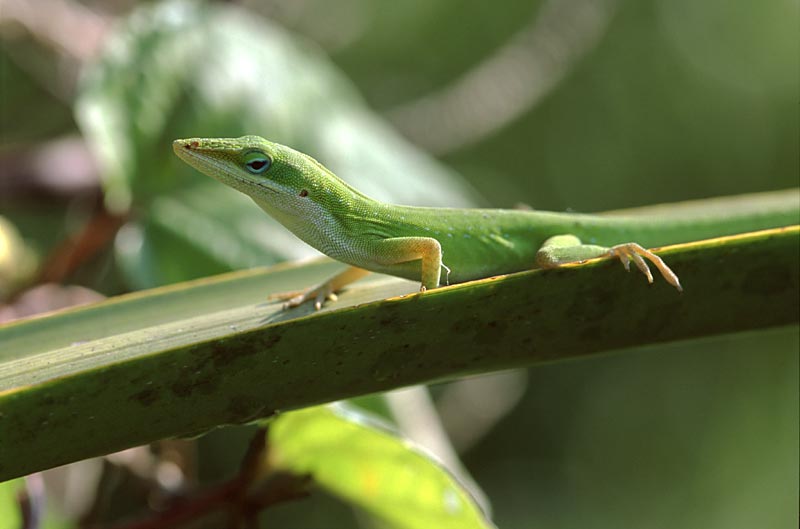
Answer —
563 249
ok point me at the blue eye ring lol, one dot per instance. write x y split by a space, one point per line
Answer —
257 163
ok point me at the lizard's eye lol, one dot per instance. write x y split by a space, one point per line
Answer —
257 163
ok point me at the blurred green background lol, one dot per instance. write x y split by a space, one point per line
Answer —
585 105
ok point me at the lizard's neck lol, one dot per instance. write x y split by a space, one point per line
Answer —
320 219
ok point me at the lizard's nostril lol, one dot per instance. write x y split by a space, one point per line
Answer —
192 145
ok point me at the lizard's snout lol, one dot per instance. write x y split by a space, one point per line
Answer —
185 145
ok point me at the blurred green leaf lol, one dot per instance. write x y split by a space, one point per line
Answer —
718 422
392 68
184 69
183 359
352 456
28 110
9 506
17 260
679 100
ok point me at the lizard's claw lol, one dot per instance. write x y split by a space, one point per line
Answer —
637 254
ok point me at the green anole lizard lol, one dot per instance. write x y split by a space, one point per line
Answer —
443 245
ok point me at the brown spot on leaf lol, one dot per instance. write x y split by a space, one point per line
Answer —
185 387
145 397
272 340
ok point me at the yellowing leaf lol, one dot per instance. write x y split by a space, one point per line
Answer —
351 456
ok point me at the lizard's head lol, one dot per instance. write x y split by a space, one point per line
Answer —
274 175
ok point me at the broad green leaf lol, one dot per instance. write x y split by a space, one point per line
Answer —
352 456
184 69
183 359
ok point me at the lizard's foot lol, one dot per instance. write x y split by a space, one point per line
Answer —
319 294
632 252
323 292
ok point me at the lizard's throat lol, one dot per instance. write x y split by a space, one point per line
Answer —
310 223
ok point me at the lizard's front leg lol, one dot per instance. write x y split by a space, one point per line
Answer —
399 250
563 249
382 252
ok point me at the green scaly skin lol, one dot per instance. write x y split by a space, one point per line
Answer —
448 245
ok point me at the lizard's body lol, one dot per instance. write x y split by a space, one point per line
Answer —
444 245
475 243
